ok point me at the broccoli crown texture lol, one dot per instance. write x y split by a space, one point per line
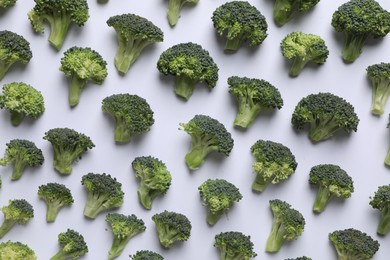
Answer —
381 202
18 211
7 3
379 75
174 7
146 255
242 22
285 10
72 245
234 245
15 250
300 258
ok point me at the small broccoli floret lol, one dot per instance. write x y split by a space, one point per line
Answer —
82 65
18 211
285 10
68 146
353 244
300 258
155 179
174 7
123 228
332 181
21 153
234 246
381 202
190 64
360 20
7 3
16 250
325 114
146 255
172 227
379 75
59 14
73 246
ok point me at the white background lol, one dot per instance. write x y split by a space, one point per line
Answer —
361 154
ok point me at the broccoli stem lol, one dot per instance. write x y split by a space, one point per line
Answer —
298 65
52 210
165 236
184 86
16 118
4 67
276 237
247 112
353 46
144 196
387 159
213 217
200 148
384 222
121 133
60 255
259 184
59 25
118 245
19 166
94 205
322 198
283 11
127 52
380 94
173 11
6 226
63 161
232 44
322 129
76 86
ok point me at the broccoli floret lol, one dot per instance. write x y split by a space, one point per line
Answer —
123 228
379 75
132 115
146 255
172 227
7 3
16 250
133 33
381 202
218 196
360 20
21 153
155 179
82 65
234 245
300 258
274 163
18 211
253 96
72 246
207 135
288 224
59 14
285 10
325 114
190 64
174 7
303 48
332 181
103 193
56 196
21 100
353 244
68 146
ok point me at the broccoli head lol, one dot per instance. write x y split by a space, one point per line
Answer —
146 255
7 3
16 250
381 202
72 246
379 75
18 211
234 245
174 7
285 10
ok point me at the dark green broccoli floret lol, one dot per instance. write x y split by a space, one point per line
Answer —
123 228
132 115
190 64
241 22
288 224
146 255
21 100
174 7
56 196
253 96
381 202
82 65
155 179
353 244
300 258
68 146
207 135
21 153
172 227
18 211
133 33
325 114
218 196
379 75
59 14
16 250
7 3
274 163
360 20
234 246
73 246
285 10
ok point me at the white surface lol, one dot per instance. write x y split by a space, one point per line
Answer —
361 154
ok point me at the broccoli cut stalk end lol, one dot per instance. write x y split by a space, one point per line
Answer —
197 153
380 95
384 222
121 133
275 239
4 67
76 86
117 247
213 217
16 118
144 196
297 66
184 86
283 12
52 211
387 159
233 44
322 199
246 114
63 163
259 184
6 226
18 169
59 26
173 12
353 47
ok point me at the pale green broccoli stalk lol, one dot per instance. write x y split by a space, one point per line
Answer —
174 7
7 3
285 10
387 158
379 75
234 245
15 251
72 246
18 211
381 202
146 255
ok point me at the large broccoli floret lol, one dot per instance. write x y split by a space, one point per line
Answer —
123 228
155 179
360 20
21 153
18 211
190 64
59 14
207 135
146 255
325 114
16 250
73 246
68 146
7 3
379 75
285 10
234 245
381 202
174 7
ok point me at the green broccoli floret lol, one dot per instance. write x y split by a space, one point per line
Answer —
21 100
146 255
325 114
123 228
360 20
353 244
172 227
103 193
285 10
133 33
288 224
72 246
56 196
155 179
132 114
190 64
68 146
234 246
332 181
381 202
379 75
303 48
207 135
60 15
174 7
18 211
16 250
253 96
274 163
300 258
7 3
21 153
218 196
82 65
